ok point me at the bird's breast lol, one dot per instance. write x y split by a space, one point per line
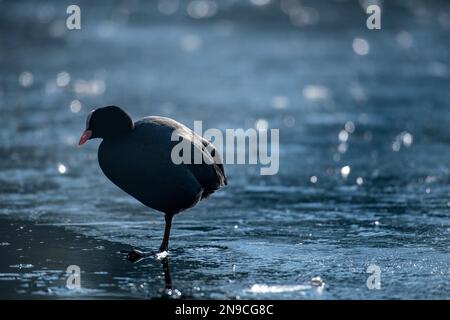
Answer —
143 169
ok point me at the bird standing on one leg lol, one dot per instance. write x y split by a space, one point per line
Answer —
137 158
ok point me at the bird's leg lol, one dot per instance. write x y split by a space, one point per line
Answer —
165 242
137 255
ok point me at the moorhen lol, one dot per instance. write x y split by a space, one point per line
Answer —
137 158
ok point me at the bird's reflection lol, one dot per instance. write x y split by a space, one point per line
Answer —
167 277
168 292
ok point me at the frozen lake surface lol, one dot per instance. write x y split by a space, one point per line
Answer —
364 149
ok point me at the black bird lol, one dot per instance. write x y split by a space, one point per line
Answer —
137 158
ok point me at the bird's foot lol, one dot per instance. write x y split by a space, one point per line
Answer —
138 255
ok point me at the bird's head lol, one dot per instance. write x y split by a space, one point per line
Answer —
107 122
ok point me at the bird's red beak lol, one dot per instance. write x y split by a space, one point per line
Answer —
85 137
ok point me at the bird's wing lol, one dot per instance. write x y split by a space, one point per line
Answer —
210 172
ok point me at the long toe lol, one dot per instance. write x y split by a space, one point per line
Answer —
135 255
